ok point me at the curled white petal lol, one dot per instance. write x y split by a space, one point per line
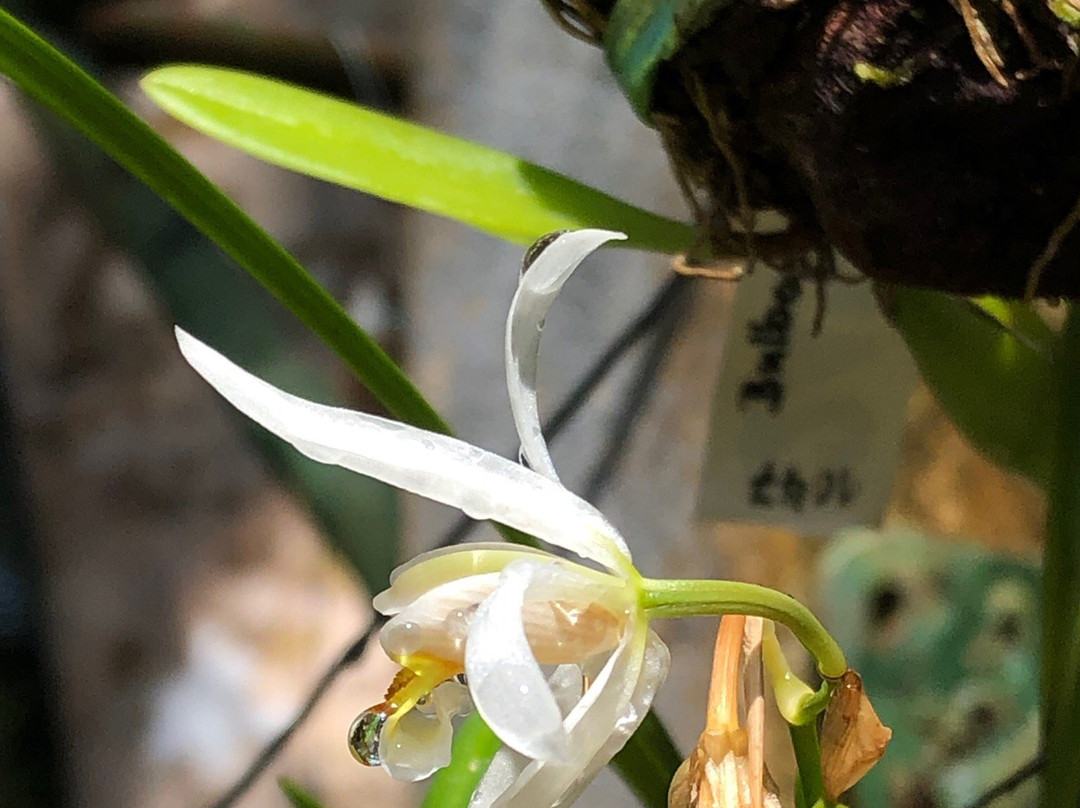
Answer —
507 684
447 470
597 727
507 765
653 671
505 769
539 287
570 612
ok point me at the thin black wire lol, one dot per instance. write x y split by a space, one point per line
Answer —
668 320
662 315
1013 781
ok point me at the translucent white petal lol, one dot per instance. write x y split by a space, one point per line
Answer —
437 567
482 484
598 726
507 685
570 612
567 684
419 743
436 624
541 783
507 765
653 671
538 289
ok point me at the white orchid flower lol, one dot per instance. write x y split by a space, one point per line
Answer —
557 656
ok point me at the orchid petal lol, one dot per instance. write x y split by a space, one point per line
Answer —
651 675
571 612
418 744
507 765
504 770
508 687
597 727
540 285
447 470
429 570
567 684
436 624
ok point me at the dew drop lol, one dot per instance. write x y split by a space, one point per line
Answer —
364 736
457 626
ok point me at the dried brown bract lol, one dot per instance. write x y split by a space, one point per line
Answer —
727 767
853 738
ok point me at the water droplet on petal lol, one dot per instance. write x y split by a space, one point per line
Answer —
364 736
456 626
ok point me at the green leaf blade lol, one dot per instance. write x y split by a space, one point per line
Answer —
55 81
995 385
474 747
297 796
1061 593
369 151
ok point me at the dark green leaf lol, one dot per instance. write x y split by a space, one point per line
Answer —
995 384
54 80
1061 586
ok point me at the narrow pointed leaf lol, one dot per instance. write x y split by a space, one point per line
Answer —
369 151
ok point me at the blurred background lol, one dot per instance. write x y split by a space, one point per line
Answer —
172 585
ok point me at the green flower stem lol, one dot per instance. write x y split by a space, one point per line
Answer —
664 598
804 739
797 701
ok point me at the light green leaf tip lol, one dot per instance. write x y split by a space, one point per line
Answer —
359 148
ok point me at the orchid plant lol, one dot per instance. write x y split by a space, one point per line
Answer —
1008 381
557 656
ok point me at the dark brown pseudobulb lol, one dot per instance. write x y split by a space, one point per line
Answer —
875 125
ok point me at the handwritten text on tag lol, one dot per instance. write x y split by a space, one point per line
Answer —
805 431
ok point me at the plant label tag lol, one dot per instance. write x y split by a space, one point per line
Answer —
805 431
